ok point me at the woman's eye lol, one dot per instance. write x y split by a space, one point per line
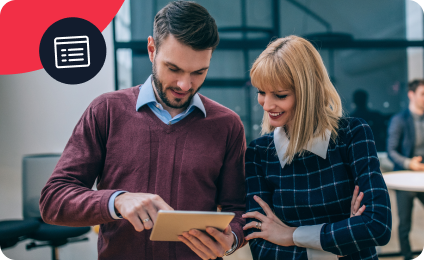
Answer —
281 97
261 93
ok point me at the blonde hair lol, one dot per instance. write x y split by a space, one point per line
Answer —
293 63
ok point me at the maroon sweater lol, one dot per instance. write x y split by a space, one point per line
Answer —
195 164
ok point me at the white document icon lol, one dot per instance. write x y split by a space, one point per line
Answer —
72 52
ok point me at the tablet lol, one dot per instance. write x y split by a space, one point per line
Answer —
170 224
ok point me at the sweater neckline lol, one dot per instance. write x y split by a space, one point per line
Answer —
166 127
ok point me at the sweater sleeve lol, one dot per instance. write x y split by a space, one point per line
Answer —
67 199
373 227
231 191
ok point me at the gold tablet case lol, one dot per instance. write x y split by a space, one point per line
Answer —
169 224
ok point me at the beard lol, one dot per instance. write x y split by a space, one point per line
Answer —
174 102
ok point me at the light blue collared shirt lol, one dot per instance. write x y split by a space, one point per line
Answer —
147 96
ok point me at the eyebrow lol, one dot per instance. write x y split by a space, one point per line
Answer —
285 90
172 64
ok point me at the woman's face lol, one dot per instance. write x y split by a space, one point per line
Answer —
279 105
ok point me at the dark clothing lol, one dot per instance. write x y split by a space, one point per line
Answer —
400 148
376 121
312 190
401 139
405 203
194 164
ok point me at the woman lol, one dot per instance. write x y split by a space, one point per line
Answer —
301 174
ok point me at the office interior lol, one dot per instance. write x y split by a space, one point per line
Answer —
371 49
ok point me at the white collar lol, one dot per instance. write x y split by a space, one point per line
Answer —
317 145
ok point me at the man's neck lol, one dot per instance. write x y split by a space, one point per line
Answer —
414 109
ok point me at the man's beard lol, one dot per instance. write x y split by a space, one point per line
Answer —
176 103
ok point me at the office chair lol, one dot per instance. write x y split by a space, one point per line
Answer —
14 231
36 170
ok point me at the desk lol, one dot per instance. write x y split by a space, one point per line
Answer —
405 180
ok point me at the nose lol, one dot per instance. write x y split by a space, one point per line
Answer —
268 103
184 82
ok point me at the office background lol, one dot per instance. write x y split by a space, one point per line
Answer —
38 114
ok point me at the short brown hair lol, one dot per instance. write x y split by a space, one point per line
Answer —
413 85
189 22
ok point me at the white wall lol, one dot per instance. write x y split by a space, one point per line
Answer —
37 115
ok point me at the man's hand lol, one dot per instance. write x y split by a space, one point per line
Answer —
140 209
416 164
209 247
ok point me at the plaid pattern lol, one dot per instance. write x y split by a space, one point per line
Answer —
312 190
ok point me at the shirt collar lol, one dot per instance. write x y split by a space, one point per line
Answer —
147 95
316 145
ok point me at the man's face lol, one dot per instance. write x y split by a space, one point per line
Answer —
417 97
178 71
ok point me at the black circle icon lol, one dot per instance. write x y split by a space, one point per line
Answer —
72 50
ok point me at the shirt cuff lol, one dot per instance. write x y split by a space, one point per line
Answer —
112 204
406 164
308 237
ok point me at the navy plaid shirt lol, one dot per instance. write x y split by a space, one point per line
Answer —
312 190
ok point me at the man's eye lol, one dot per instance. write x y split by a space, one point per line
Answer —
198 72
175 70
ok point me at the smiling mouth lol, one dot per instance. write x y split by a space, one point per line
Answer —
179 95
275 115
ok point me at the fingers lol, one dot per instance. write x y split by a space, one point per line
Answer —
263 205
250 225
355 195
255 235
199 245
255 215
358 202
215 246
193 248
360 211
140 209
133 218
160 203
225 238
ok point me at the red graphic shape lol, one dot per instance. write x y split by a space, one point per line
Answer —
23 23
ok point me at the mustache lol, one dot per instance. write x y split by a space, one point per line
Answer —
179 89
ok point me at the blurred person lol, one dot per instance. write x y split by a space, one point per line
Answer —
405 148
302 174
156 146
374 118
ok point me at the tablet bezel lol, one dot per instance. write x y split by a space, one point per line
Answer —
171 223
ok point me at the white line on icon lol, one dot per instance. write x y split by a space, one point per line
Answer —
81 49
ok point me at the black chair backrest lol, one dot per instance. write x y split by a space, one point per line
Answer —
36 170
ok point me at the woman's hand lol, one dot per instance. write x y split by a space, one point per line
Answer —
355 210
272 228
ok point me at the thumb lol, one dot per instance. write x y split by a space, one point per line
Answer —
227 230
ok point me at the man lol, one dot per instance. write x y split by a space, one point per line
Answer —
155 146
405 147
